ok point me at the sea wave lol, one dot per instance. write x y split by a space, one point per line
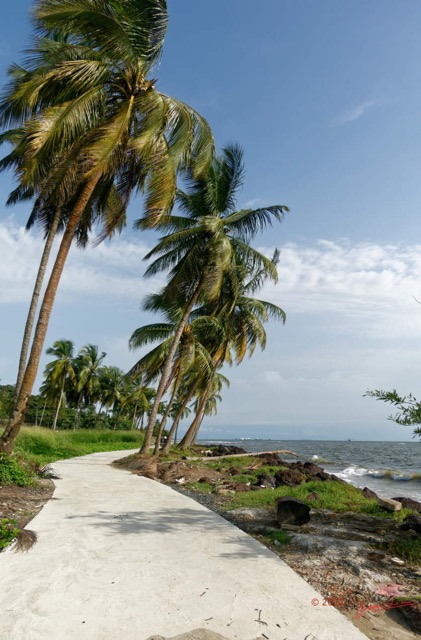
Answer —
320 460
388 474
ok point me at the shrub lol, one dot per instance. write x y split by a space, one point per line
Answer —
8 532
11 472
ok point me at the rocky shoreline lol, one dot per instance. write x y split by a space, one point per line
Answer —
342 555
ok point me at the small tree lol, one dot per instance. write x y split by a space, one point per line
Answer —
408 406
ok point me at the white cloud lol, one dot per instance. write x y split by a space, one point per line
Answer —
352 323
111 270
356 112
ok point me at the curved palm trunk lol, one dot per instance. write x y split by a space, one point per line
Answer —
164 420
199 424
58 407
13 427
190 434
167 371
174 428
34 302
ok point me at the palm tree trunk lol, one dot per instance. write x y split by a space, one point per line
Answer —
34 302
42 414
78 410
173 431
189 436
13 427
134 417
167 370
58 407
199 424
164 420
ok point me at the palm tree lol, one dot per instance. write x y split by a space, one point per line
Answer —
113 385
205 404
58 373
205 245
88 368
86 96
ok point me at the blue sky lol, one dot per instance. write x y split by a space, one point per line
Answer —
325 97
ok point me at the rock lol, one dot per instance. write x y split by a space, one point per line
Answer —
251 515
289 477
266 481
225 450
290 527
313 496
221 491
390 505
270 459
241 486
311 468
397 561
197 634
368 493
412 522
408 503
292 511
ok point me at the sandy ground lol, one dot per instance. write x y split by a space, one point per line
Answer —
122 557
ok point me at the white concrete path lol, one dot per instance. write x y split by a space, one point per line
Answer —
120 557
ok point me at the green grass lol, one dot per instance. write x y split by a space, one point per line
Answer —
43 445
405 549
278 536
202 487
12 471
8 532
333 495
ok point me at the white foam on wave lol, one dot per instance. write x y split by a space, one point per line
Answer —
352 472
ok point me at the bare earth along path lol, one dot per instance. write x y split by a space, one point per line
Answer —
121 557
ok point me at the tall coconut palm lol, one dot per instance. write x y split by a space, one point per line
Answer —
88 369
87 94
53 203
58 373
204 246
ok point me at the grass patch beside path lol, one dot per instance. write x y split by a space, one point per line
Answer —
44 446
334 496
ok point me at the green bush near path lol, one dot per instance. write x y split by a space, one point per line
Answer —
8 532
12 472
43 446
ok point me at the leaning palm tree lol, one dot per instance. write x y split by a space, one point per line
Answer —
87 95
59 373
205 404
204 246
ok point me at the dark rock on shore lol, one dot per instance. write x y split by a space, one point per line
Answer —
266 481
225 450
412 522
289 477
292 511
369 494
408 503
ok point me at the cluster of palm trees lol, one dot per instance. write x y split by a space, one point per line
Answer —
87 129
211 315
82 381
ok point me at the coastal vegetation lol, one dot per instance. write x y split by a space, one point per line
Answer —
408 407
88 129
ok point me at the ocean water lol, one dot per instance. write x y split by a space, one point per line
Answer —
391 469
